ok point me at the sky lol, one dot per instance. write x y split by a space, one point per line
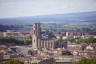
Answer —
20 8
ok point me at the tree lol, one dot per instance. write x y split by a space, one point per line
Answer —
86 40
12 61
82 40
86 61
11 40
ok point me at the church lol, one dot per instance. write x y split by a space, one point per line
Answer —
38 42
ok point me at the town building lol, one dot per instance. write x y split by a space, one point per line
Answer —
16 35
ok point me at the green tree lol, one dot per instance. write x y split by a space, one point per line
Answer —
86 40
12 61
86 61
82 40
12 40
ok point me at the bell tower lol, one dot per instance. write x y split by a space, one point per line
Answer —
36 35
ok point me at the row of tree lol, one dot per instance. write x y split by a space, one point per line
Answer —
86 61
12 61
82 40
10 40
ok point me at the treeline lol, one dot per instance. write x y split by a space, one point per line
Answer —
12 61
86 61
82 40
10 40
3 28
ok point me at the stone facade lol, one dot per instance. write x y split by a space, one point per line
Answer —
38 42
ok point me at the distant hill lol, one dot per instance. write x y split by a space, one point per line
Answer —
82 18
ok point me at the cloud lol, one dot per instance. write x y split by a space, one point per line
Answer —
18 8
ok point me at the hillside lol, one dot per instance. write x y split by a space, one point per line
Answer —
83 18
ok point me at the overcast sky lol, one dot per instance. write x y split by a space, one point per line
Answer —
19 8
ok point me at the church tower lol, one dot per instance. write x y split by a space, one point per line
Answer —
36 35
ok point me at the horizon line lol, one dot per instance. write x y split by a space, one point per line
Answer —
48 14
